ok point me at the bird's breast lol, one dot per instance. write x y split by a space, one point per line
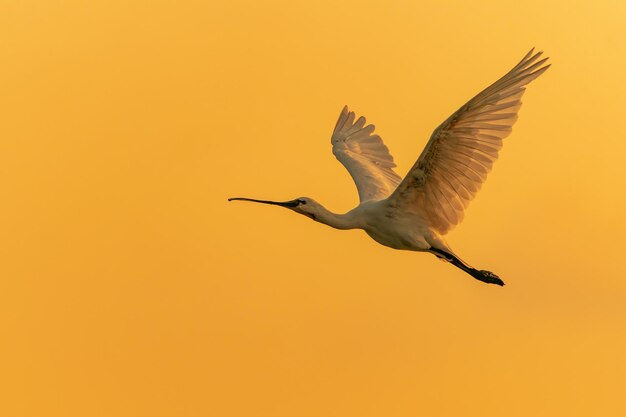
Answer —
405 232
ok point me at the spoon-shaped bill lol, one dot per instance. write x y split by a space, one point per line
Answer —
291 203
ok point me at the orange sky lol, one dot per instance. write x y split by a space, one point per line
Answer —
130 287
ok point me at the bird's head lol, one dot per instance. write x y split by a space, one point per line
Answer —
302 205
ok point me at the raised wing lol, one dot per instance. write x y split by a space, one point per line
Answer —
365 156
461 151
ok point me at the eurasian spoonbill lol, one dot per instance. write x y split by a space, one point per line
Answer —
415 212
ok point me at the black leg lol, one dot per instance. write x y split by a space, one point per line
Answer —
481 275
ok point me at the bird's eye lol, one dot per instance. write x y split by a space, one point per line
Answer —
302 201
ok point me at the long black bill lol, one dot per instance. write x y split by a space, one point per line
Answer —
292 203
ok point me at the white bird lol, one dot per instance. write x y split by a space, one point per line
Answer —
415 212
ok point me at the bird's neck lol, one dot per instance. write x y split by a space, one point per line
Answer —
338 221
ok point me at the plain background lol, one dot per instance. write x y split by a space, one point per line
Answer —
129 286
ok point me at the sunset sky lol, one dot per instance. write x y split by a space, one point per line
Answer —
130 287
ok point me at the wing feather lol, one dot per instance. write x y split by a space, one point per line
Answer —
462 150
365 156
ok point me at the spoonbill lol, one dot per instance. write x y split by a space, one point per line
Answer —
415 213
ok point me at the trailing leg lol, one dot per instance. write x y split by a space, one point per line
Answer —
481 275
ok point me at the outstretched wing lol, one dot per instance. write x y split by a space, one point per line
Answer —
365 156
461 151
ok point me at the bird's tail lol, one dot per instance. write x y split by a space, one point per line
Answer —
481 275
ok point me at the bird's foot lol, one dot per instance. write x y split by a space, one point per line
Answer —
488 277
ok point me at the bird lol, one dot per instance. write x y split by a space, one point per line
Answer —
415 212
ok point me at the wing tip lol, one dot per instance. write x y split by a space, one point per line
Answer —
341 120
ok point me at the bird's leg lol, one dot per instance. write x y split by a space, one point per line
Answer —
481 275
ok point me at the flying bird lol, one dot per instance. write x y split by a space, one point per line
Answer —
415 213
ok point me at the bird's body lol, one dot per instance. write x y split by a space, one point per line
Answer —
387 226
415 213
397 229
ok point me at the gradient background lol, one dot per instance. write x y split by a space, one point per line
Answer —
130 287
